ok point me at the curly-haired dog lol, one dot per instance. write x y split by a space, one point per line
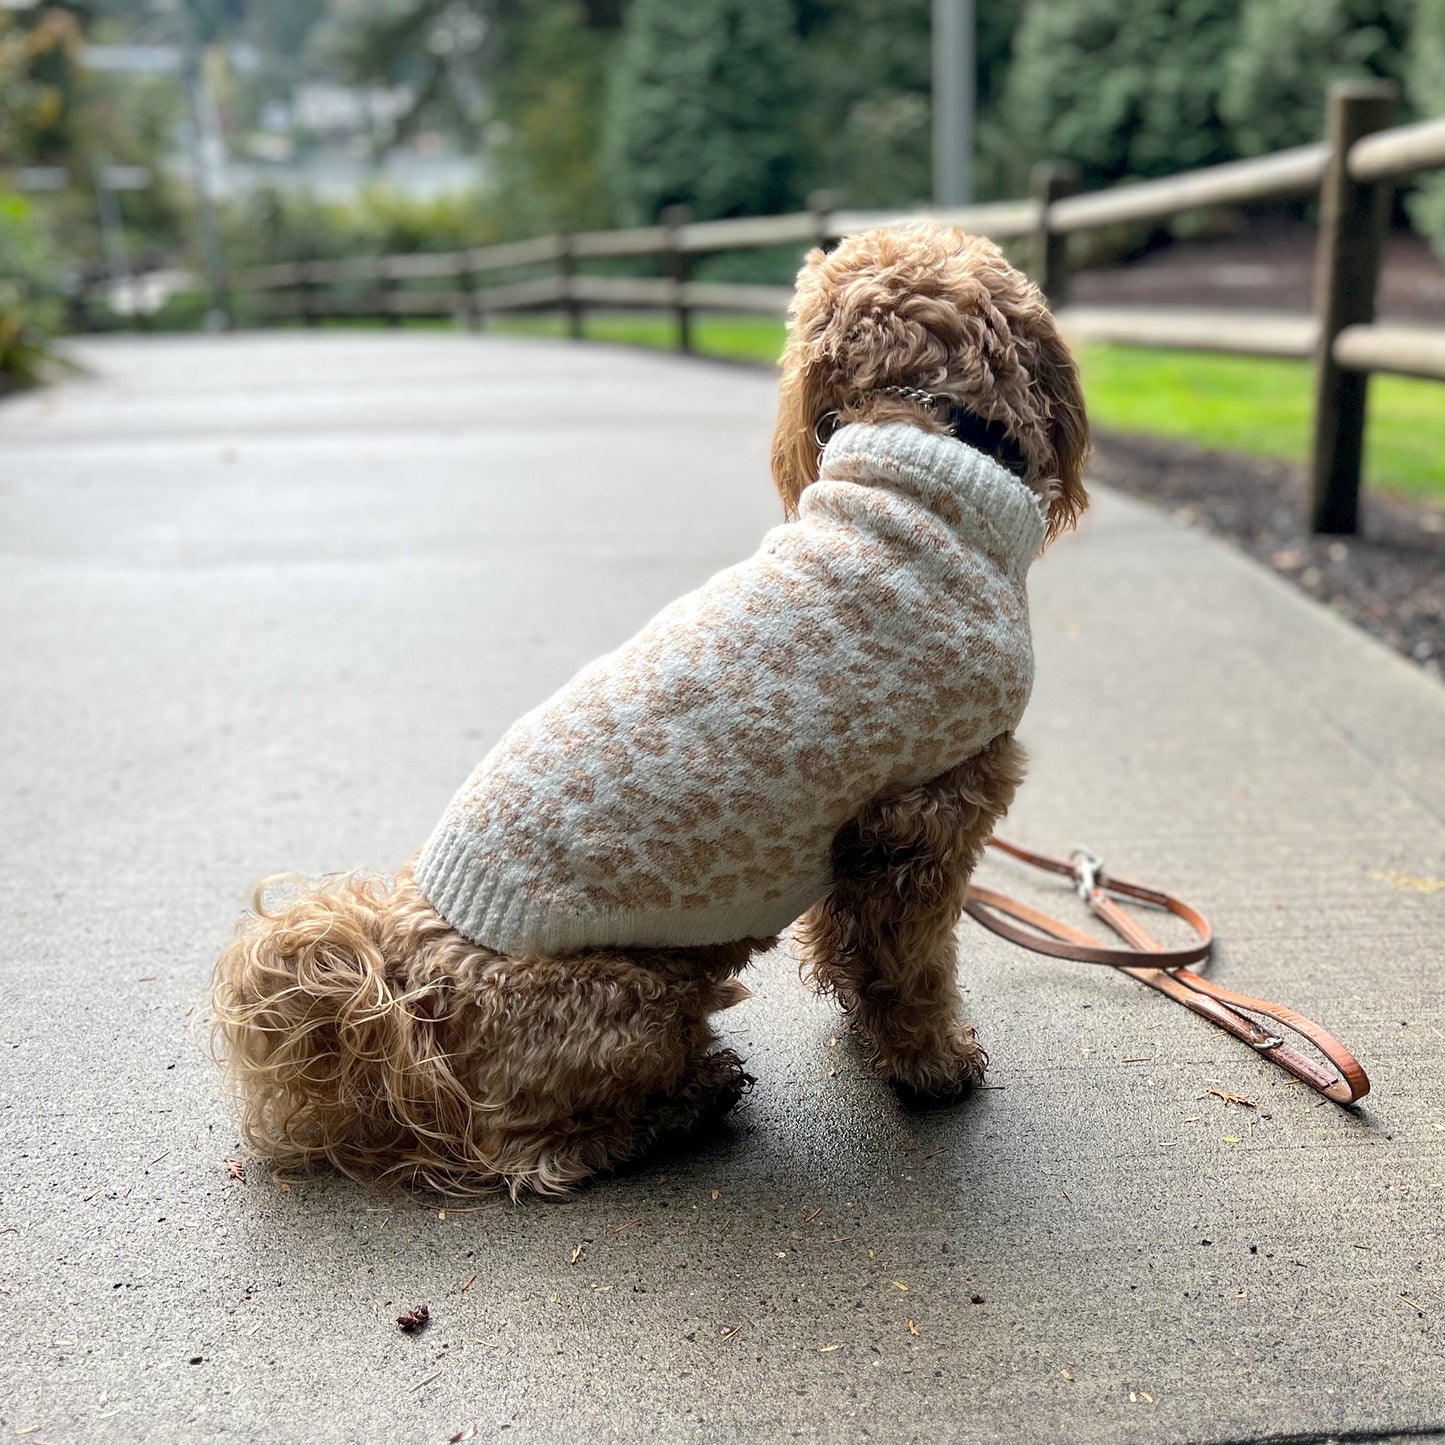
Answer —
824 731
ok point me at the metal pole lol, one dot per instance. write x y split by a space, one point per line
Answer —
954 67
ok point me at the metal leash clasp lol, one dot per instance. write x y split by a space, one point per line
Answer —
1088 870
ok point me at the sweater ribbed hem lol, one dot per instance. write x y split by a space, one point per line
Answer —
483 908
1000 510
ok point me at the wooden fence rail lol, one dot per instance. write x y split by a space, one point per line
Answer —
1352 172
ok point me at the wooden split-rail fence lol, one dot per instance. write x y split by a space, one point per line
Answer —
1353 173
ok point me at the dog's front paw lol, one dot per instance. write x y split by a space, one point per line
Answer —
955 1063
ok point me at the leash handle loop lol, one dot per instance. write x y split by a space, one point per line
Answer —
1167 969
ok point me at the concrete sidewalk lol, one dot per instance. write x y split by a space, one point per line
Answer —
264 602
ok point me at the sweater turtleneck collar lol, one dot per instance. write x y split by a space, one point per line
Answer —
996 510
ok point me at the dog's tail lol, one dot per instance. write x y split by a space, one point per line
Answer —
331 1048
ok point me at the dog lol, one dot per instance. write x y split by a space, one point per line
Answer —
821 736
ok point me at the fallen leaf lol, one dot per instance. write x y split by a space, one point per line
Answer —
1066 1374
898 1284
1229 1098
1408 883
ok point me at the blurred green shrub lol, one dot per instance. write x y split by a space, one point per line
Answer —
30 297
703 109
279 226
867 124
1122 87
1426 80
1289 52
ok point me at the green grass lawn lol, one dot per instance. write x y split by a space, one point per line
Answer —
1262 405
738 338
1235 403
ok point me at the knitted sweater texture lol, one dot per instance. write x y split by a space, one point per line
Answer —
686 788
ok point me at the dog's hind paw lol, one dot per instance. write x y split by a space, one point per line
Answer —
710 1089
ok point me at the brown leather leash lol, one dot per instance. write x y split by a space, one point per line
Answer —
1168 970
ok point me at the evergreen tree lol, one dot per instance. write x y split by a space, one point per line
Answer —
1288 53
703 109
1425 79
523 79
869 73
1123 87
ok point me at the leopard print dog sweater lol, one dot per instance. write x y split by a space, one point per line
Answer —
685 789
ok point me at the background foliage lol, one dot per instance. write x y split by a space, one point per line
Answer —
703 109
597 112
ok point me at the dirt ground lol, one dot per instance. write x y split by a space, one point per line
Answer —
1267 264
1390 580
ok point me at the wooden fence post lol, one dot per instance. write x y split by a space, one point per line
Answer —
567 271
1051 181
77 302
390 285
1347 263
307 283
675 218
822 204
472 310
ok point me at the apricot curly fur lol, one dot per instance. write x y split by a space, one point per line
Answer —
884 940
357 1028
928 306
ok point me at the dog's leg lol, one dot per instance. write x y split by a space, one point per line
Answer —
883 940
587 1061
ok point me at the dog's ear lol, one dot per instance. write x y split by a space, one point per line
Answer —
807 389
801 402
1056 377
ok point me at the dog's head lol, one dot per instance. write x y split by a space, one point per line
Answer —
929 307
